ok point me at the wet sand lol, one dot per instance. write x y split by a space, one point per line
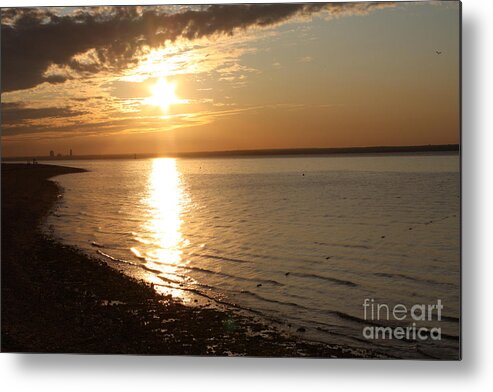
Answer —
57 299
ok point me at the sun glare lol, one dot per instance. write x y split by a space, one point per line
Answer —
166 201
163 95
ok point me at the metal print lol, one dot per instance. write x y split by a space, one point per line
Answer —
232 180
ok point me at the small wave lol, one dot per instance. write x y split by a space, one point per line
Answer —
156 271
352 246
122 261
207 271
407 277
149 269
326 278
137 254
169 280
358 320
116 258
142 240
252 294
222 258
210 297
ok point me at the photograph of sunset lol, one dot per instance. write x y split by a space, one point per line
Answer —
274 180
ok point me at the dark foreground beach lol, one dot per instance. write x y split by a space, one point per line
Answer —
56 299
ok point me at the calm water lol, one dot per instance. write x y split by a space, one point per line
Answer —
300 241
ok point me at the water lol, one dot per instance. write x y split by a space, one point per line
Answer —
300 241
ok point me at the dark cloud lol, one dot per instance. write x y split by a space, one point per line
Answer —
85 99
14 113
86 128
33 39
54 79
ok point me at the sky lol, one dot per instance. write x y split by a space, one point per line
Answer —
170 79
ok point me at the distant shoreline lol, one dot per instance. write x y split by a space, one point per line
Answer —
439 148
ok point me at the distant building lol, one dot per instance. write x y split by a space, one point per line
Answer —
70 152
58 155
52 154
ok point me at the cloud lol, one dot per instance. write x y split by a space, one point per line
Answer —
14 113
133 124
35 39
306 59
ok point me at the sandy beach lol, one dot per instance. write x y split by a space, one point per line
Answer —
57 299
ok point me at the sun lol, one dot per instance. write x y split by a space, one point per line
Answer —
163 95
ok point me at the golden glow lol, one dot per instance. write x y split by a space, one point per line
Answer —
157 63
165 201
163 95
165 196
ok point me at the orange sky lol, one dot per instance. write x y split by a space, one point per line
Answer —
188 78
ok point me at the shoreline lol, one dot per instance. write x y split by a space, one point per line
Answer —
269 153
56 299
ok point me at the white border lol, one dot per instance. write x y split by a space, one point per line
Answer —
128 373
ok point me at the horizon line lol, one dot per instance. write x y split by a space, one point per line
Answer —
256 152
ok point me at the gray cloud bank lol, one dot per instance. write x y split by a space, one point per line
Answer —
15 113
33 39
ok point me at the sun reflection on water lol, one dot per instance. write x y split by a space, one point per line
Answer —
166 200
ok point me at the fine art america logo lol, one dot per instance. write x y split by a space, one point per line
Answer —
381 313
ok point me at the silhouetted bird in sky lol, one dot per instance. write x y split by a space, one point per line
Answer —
438 52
